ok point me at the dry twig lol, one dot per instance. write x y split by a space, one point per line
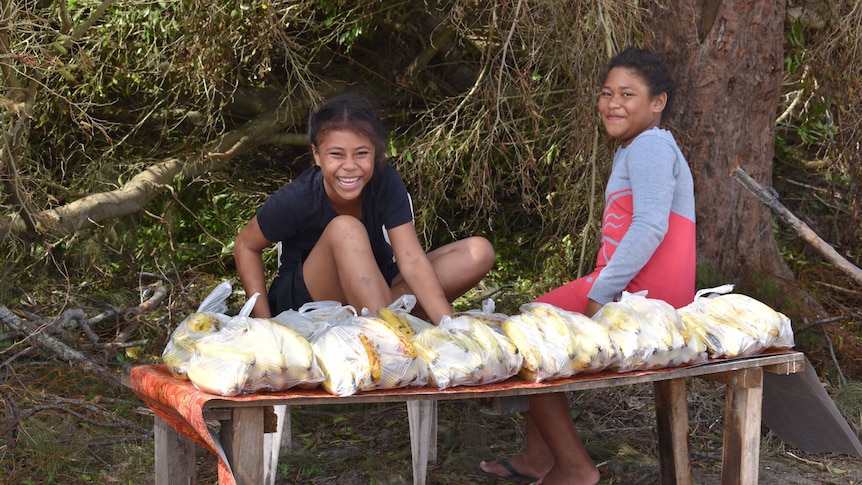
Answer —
768 197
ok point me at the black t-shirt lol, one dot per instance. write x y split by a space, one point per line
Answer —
297 214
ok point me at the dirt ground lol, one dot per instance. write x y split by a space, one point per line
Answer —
369 444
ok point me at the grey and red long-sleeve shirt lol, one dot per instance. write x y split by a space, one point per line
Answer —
648 227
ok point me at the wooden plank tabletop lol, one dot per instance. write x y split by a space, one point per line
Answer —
775 361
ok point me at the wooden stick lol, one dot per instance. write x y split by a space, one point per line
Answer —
768 197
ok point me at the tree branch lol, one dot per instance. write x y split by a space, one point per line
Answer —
55 346
768 197
132 197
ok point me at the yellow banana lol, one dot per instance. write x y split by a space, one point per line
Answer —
373 359
384 329
220 368
526 338
177 354
397 321
299 360
202 322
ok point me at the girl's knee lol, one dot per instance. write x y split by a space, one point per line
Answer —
346 226
482 252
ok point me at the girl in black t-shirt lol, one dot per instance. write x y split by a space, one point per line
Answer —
345 228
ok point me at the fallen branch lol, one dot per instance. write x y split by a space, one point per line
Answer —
158 296
768 197
55 346
134 195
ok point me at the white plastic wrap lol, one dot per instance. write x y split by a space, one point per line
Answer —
649 334
209 318
735 325
464 351
556 343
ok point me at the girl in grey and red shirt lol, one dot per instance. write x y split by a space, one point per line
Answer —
648 243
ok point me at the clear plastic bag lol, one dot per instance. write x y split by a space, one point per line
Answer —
465 351
311 317
649 334
209 318
282 357
735 325
218 367
349 360
556 343
399 362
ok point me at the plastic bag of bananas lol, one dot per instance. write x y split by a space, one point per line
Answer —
251 355
218 367
465 351
348 358
208 319
556 343
649 334
365 352
400 365
735 325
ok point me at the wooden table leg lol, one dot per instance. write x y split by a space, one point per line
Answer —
741 451
242 439
422 417
174 455
671 408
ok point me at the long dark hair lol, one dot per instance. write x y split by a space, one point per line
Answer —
349 111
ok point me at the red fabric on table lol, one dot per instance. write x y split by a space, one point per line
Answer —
180 404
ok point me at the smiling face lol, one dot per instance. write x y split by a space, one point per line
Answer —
627 107
346 159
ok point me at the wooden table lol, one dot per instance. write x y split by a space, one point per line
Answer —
240 441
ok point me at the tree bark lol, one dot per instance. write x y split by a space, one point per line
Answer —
728 61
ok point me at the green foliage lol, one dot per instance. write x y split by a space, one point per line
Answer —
495 133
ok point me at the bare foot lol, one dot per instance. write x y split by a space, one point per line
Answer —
587 474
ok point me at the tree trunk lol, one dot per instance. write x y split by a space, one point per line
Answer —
728 61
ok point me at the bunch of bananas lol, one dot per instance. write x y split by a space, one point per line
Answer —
220 367
556 343
403 321
180 347
283 358
251 355
348 358
399 362
465 351
736 325
648 332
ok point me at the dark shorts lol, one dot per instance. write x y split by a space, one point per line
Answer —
288 290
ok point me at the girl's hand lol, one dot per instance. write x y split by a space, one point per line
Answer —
592 307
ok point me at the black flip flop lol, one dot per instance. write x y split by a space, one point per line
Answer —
514 477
